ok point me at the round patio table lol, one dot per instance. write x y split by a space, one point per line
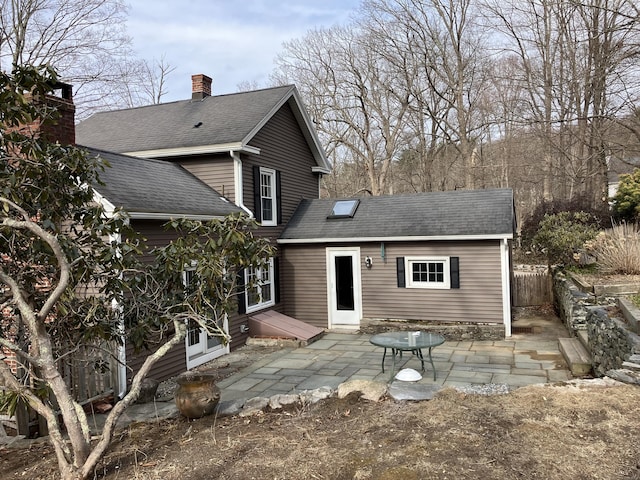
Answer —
413 342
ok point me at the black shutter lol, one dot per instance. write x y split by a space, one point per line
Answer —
276 279
454 270
242 302
400 272
257 198
278 215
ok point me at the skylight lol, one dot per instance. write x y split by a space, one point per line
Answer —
344 209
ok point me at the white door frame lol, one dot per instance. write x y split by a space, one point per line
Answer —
342 318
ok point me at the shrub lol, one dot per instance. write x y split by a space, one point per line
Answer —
617 250
531 224
626 201
562 235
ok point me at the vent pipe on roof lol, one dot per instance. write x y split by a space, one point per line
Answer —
200 86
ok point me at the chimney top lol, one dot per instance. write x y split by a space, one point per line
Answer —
200 86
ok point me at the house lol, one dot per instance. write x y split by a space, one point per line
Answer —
442 256
205 157
438 257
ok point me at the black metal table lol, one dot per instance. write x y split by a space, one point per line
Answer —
413 342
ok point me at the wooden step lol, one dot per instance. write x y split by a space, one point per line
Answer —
275 324
577 357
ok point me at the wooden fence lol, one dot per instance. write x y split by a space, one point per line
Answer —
531 288
89 372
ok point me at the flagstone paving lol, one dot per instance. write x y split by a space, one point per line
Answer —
522 359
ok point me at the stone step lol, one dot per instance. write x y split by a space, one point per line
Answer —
576 356
635 358
584 338
631 366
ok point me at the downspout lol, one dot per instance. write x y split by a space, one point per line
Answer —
237 182
121 355
506 286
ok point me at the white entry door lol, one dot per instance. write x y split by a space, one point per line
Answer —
202 348
344 293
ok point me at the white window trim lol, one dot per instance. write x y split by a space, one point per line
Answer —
260 305
274 204
446 285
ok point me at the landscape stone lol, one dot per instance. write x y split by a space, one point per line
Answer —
254 406
283 400
373 391
409 391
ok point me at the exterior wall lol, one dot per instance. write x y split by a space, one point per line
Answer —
175 361
479 298
283 148
217 172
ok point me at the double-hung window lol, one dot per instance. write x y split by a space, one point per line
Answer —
260 287
268 204
429 272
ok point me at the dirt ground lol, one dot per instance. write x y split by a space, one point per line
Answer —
549 432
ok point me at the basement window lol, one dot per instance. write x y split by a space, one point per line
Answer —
344 209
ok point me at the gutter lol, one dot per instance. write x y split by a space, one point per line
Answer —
237 182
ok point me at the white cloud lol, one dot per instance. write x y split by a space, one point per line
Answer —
232 41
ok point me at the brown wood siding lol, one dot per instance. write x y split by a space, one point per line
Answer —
303 279
283 148
479 298
217 172
175 361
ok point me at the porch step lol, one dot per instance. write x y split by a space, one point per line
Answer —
577 357
272 324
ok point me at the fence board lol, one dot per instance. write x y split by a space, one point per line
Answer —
531 289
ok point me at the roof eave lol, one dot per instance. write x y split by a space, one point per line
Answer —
172 216
407 238
197 150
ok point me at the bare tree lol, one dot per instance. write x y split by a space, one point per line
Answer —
87 43
350 93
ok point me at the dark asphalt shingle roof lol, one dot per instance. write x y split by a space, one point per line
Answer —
225 119
459 213
157 187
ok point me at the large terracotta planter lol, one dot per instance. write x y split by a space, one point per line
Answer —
197 394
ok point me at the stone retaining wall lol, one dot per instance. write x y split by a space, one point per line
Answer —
572 304
610 339
452 332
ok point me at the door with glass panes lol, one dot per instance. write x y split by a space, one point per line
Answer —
200 346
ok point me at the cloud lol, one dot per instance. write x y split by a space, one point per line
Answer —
231 41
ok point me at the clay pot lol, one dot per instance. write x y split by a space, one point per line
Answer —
197 394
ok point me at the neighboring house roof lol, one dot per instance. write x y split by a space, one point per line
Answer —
454 215
157 189
213 124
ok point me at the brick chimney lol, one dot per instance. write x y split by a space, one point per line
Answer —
61 127
200 86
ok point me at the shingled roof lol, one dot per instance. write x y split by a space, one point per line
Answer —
157 189
459 214
209 125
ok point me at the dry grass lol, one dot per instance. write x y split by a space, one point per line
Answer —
617 250
587 432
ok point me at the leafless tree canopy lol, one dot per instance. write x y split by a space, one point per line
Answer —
537 95
87 43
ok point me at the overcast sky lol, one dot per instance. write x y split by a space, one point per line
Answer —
232 41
